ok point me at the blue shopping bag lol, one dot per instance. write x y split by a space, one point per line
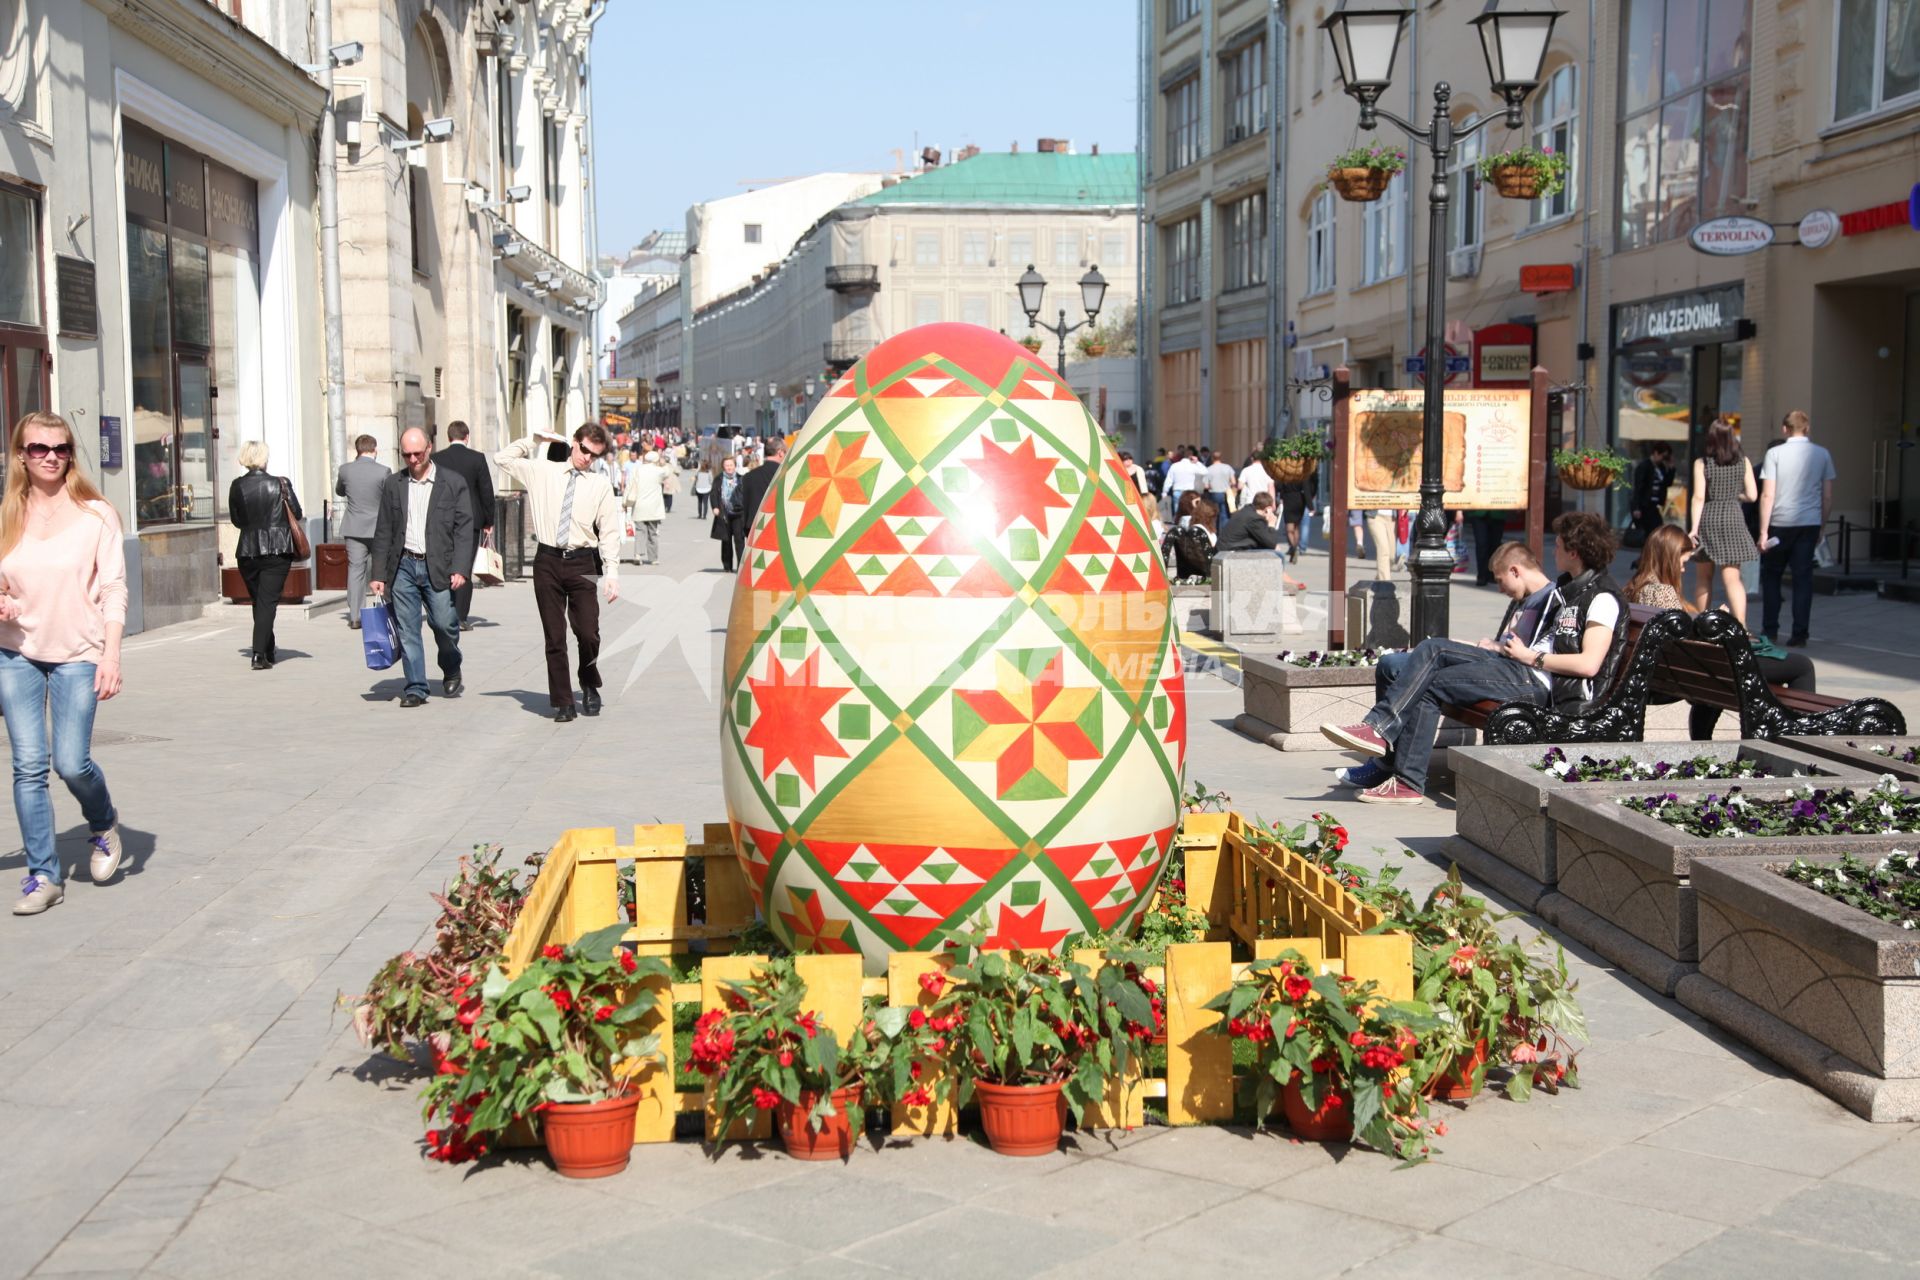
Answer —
380 636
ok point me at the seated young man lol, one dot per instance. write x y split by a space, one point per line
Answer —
1256 527
1558 646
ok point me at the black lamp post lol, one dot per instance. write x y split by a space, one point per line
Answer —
1366 40
1093 292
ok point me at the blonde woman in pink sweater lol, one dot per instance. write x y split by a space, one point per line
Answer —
63 606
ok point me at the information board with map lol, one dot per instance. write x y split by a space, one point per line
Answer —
1484 461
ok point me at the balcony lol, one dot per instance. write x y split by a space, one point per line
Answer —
854 277
842 354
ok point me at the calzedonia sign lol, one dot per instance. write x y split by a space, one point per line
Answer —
1725 237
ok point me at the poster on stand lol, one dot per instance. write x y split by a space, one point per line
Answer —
1484 460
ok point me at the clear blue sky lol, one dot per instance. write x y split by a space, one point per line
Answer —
691 99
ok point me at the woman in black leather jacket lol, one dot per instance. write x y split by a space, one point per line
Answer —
258 503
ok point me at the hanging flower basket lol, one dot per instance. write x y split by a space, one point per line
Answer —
1290 470
1525 173
1293 459
1516 182
1597 468
1585 475
1360 185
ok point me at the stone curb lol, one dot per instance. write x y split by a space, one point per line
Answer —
1641 959
1490 870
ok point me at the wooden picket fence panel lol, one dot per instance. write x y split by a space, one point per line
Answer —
1261 893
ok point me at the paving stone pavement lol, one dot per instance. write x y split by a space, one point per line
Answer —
187 1100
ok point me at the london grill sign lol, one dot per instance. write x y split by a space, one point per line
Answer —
1727 236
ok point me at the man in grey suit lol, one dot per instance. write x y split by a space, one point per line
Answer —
359 483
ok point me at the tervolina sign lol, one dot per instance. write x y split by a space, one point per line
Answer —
1728 236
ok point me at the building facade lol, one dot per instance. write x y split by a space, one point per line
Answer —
946 245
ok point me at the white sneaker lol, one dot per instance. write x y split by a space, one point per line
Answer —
106 854
37 893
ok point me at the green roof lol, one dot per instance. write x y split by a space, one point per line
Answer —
1026 178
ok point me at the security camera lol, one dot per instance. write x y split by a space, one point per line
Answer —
509 250
537 292
345 55
544 277
517 194
437 130
581 300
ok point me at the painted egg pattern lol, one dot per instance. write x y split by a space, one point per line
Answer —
953 688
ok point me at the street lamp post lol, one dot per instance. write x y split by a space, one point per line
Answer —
1093 291
1366 40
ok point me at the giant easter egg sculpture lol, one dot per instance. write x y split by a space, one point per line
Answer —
952 685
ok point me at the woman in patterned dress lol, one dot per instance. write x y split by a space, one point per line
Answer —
1722 480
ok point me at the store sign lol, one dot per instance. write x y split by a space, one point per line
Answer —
146 175
1502 354
1554 277
1884 217
1680 318
1725 237
1818 229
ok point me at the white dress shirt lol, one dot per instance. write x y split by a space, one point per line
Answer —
419 498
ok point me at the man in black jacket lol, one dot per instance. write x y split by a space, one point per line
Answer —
757 481
1253 527
1651 479
422 551
730 515
470 465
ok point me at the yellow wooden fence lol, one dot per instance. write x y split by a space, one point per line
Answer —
1255 890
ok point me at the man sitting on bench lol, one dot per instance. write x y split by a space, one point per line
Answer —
1559 645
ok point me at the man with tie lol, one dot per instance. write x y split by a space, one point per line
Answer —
730 514
578 525
359 483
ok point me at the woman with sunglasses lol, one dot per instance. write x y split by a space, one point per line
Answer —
258 504
63 606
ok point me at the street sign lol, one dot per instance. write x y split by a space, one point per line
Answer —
1548 277
1457 363
1724 237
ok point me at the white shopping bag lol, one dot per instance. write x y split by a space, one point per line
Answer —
489 570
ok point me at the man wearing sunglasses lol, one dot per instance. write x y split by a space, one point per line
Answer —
578 525
422 552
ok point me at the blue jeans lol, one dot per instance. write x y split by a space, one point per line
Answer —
412 589
27 690
1436 671
1797 542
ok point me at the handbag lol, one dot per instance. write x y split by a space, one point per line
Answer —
1823 557
489 570
719 531
379 636
301 547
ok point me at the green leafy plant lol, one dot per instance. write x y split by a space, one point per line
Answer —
1629 769
1027 1017
1326 1033
1614 464
1883 809
413 996
1888 889
1200 800
1375 155
767 1048
1549 165
557 1033
1309 445
1168 919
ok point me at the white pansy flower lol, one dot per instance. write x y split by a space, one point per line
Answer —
1819 882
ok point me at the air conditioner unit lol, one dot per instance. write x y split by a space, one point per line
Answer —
1462 263
1235 133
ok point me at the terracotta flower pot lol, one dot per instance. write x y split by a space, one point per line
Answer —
1331 1121
1360 184
1456 1083
834 1139
1022 1119
1586 476
590 1139
1290 470
1516 181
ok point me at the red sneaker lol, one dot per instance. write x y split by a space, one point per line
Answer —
1392 791
1356 737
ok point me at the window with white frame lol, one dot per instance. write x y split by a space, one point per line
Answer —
926 248
1243 74
1183 123
1466 211
1179 11
1320 244
1383 233
974 309
926 308
1113 249
1181 242
1876 59
973 248
1066 248
1020 249
1683 116
1556 112
1246 232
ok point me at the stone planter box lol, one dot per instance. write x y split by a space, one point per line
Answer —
1284 705
1854 752
1822 988
1625 886
1500 800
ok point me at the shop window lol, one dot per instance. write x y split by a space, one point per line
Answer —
1876 56
1320 243
1683 136
1183 123
1182 244
1246 225
1556 113
1466 212
1244 76
1383 234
